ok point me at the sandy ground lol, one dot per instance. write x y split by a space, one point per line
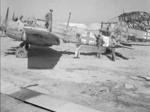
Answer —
120 86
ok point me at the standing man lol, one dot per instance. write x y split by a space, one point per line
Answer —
49 21
78 46
113 44
99 43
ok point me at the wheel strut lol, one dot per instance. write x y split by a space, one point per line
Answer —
22 44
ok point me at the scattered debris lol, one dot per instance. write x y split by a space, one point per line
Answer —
146 78
30 85
130 86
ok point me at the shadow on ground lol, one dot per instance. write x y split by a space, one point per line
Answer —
109 56
47 58
39 57
43 58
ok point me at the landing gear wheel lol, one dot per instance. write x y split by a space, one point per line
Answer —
27 46
21 53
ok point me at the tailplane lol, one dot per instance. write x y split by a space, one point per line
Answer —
4 25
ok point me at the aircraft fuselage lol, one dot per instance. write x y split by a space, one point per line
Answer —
35 37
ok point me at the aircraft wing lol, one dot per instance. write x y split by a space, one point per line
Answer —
29 29
41 20
123 46
136 43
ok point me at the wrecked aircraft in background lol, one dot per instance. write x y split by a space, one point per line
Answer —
136 20
138 23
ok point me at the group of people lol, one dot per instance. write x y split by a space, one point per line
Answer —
104 40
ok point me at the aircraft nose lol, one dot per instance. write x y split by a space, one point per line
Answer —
55 39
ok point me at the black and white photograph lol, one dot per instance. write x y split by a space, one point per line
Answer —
74 55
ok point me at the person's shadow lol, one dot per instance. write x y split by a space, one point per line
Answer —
108 55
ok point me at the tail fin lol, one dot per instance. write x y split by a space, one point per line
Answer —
6 18
4 25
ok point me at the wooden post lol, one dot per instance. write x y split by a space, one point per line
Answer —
0 13
68 21
101 25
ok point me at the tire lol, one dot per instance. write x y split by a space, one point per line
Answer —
27 46
21 53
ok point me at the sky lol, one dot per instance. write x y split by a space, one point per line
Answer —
82 10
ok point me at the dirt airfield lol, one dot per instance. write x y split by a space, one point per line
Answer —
120 86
